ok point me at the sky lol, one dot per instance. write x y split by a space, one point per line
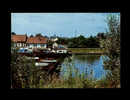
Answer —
60 24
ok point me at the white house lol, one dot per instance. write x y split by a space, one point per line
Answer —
54 45
37 42
19 40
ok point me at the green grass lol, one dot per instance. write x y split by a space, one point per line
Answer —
77 83
86 50
71 82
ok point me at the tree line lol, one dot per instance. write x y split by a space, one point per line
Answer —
82 42
77 42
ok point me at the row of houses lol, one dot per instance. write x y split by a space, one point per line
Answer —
30 42
22 41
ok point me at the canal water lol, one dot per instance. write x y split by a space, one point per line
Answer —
88 66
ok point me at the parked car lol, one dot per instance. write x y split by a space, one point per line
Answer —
24 50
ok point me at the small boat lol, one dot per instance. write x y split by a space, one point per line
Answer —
41 64
33 58
49 61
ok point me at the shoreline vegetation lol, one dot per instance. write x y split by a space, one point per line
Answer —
87 50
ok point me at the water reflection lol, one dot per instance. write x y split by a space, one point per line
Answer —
90 66
90 59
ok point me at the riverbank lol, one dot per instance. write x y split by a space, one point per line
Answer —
87 50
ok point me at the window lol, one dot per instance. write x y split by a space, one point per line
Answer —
34 45
38 45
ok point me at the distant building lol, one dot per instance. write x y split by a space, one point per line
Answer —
53 39
19 40
54 45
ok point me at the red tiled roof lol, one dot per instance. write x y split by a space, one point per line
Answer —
37 40
18 38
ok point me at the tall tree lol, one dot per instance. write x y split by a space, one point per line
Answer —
31 35
101 35
112 46
13 33
39 34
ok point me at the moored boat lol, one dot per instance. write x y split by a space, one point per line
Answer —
49 61
41 64
33 58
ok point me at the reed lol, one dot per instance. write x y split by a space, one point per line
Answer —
73 79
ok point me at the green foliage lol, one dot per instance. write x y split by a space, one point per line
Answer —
101 35
62 40
92 42
82 42
79 81
21 70
79 42
112 47
50 43
113 22
31 35
38 34
13 33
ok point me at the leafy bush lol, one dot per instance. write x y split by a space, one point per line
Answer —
112 47
21 70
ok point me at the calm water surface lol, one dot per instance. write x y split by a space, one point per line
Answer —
89 65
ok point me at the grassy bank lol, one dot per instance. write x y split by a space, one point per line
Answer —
87 50
77 82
